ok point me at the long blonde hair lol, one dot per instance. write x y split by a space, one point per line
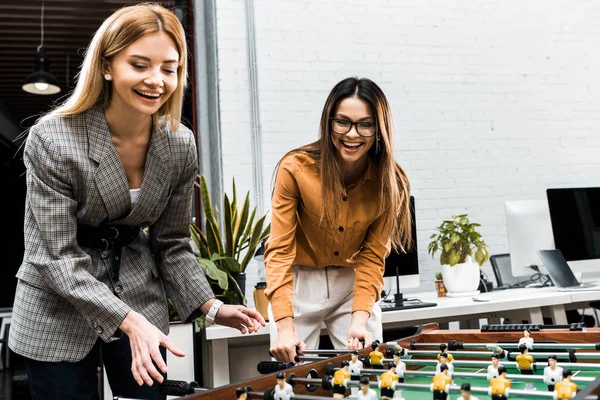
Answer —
394 186
118 31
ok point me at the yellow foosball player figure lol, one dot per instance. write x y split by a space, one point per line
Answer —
376 357
241 393
340 381
440 383
443 360
465 392
552 373
524 360
365 392
492 369
443 348
387 382
400 366
356 366
499 384
565 389
527 340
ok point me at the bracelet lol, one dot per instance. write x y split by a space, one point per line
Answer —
212 313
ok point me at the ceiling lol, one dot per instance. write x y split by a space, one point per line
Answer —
68 28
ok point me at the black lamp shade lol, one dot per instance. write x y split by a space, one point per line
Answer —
41 81
260 252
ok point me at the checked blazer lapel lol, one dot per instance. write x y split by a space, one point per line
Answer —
109 178
156 180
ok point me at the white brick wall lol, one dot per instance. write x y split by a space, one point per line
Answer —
492 99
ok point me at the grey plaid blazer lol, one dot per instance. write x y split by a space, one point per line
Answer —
65 299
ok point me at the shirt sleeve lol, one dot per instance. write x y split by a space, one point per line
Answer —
370 266
280 250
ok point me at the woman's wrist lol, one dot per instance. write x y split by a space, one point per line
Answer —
360 318
286 325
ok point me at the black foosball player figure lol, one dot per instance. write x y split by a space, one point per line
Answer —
376 356
355 366
527 340
552 373
400 366
499 384
565 389
443 360
340 380
524 360
283 390
492 369
387 382
241 393
440 383
443 348
365 392
465 392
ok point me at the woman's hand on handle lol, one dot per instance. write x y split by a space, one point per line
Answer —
358 331
284 347
145 339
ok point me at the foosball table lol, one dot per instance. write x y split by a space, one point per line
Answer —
470 352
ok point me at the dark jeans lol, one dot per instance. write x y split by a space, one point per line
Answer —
79 380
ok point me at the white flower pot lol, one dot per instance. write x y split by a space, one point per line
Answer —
461 279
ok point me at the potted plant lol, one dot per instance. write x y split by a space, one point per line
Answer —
439 284
228 245
459 243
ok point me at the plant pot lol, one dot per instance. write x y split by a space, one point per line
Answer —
461 279
241 281
440 288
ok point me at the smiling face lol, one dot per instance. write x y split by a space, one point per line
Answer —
352 147
144 74
552 362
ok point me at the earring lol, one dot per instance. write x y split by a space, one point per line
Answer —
108 77
377 144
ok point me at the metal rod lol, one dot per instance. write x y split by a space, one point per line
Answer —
317 351
484 354
493 346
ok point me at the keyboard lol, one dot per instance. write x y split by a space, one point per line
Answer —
407 305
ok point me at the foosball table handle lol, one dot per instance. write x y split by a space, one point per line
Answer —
177 388
268 367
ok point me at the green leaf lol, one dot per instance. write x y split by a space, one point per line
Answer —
240 226
245 236
213 238
254 241
200 241
453 258
228 227
231 264
211 270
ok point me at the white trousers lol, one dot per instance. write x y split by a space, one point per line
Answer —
324 297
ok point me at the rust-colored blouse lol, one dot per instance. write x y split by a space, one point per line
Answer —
300 237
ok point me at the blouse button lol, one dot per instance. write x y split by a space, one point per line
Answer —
345 198
341 229
336 253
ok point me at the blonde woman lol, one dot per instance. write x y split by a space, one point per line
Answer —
111 160
338 206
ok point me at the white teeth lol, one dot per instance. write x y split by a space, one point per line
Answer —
351 144
155 95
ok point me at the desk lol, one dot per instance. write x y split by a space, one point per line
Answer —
530 303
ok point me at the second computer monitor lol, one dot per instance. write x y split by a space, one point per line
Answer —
529 230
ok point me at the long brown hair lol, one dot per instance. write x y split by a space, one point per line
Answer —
394 188
118 31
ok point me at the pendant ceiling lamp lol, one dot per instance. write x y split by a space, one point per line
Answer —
41 81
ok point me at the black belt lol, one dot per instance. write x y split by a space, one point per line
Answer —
108 237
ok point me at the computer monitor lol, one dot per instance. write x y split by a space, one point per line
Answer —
529 230
575 215
404 265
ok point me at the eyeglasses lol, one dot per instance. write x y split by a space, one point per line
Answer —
343 126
